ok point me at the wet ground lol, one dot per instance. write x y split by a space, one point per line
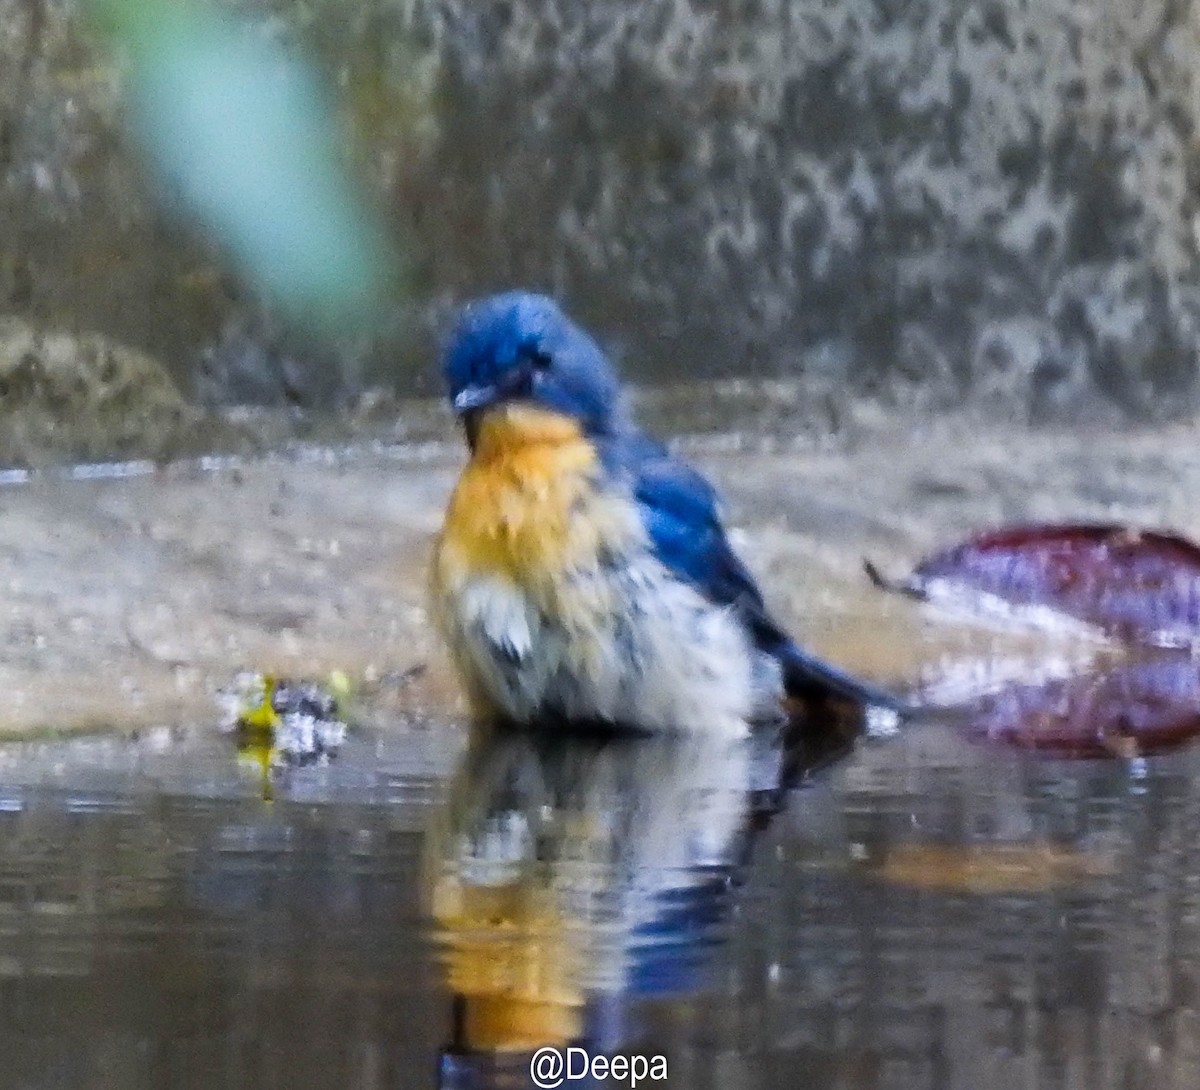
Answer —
127 602
922 912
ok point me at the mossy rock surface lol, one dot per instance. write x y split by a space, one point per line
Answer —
83 397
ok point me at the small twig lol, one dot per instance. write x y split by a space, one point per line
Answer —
892 586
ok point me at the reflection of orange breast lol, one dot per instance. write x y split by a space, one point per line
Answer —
526 507
508 951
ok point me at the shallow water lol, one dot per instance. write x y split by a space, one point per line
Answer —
923 913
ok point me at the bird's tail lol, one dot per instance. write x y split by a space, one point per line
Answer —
807 677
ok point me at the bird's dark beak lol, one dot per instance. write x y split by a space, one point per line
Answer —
476 396
470 423
471 402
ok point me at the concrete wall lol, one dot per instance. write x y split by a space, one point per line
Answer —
936 199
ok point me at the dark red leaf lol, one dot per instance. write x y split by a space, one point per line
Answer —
1141 706
1140 586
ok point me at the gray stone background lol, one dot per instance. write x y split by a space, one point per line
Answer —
927 201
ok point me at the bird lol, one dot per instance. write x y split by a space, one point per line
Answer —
582 574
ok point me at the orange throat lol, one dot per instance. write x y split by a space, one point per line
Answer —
513 510
510 430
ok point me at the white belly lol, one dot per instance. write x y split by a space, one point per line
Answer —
626 644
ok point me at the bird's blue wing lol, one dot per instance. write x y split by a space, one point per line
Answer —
679 510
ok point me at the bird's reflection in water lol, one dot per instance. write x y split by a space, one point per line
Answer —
571 877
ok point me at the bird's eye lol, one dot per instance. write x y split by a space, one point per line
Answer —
539 360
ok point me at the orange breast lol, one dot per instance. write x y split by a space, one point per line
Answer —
526 507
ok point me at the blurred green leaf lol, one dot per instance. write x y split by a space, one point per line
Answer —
241 134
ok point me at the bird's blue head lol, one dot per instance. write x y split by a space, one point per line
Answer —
521 347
